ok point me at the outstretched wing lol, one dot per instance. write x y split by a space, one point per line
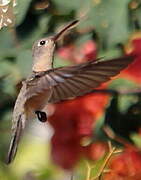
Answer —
72 81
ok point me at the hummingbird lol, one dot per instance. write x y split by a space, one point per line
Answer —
47 84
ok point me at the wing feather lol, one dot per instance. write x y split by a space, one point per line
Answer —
83 78
72 81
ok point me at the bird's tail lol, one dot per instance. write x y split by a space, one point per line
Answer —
17 132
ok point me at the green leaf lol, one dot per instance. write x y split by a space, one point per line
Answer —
110 53
136 139
137 16
110 20
83 38
59 62
21 9
11 71
37 32
6 40
122 83
125 101
24 62
64 7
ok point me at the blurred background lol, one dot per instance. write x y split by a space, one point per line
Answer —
97 136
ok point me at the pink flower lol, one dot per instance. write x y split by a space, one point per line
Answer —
85 52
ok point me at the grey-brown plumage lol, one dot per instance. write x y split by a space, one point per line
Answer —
47 85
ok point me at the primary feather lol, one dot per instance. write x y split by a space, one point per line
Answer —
73 81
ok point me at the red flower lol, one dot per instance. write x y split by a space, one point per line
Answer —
73 120
125 166
85 52
133 72
66 52
96 150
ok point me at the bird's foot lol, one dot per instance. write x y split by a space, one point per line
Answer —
41 116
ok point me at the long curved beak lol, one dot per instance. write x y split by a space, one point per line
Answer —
66 28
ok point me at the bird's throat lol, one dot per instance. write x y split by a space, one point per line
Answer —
42 65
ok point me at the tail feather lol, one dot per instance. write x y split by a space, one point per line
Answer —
15 141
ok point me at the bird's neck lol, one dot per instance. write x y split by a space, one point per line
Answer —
43 62
43 65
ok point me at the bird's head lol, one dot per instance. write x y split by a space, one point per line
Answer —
43 50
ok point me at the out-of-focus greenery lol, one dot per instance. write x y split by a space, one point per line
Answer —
108 22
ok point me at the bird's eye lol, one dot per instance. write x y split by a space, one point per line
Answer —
42 42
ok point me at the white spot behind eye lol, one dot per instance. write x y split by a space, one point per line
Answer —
47 41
